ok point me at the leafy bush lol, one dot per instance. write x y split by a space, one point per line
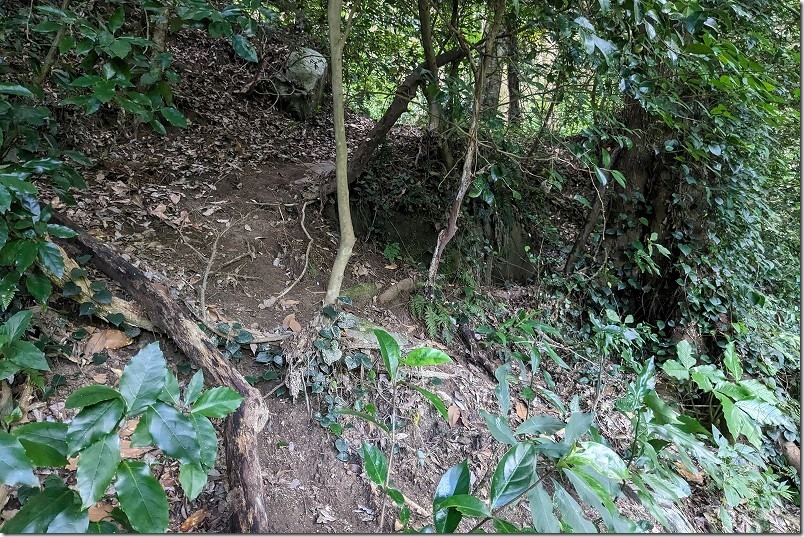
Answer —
180 427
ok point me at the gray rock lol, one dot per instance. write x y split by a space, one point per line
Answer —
301 86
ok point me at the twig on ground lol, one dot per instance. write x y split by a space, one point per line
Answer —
271 301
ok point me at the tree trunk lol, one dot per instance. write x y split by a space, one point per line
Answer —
243 426
446 234
514 89
347 238
491 95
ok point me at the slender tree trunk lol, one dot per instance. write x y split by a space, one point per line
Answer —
514 89
50 59
347 239
446 234
491 95
161 27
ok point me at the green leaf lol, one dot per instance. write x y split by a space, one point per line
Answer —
684 353
364 416
207 440
618 176
15 466
732 361
244 49
44 442
434 400
173 116
39 286
5 205
503 390
89 395
676 370
599 457
56 509
456 480
16 89
542 425
141 497
173 433
217 403
92 423
143 379
103 527
170 392
577 426
502 526
158 127
467 504
97 465
375 463
116 20
194 388
571 512
192 478
141 437
591 491
498 427
50 258
514 474
15 326
425 356
541 511
26 354
389 349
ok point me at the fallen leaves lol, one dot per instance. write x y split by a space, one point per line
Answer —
192 521
291 323
106 340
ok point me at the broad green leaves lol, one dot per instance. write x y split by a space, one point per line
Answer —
375 463
44 442
143 379
244 48
15 466
96 468
389 349
141 497
173 433
217 402
455 481
92 423
514 474
56 509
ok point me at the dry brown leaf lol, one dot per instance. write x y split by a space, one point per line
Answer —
392 266
129 428
453 414
793 455
100 378
689 475
193 520
521 409
287 303
99 511
106 340
128 452
175 198
72 464
3 495
291 322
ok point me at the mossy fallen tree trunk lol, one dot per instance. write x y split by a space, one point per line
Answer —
244 425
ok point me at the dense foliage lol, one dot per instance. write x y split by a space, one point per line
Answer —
676 124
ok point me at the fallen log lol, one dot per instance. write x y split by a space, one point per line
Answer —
243 426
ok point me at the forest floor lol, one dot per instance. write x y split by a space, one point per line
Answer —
236 185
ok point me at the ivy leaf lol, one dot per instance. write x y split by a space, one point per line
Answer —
116 20
425 356
142 498
498 427
89 395
217 403
456 480
92 423
541 511
173 433
514 474
194 388
143 379
192 478
44 442
56 509
244 49
97 465
15 466
375 463
389 349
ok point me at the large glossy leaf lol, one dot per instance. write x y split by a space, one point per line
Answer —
591 491
141 497
543 424
467 504
498 427
503 390
503 526
26 354
434 400
143 379
56 509
456 480
577 426
96 467
15 466
192 478
425 356
173 433
207 439
92 423
389 349
89 395
15 89
541 511
217 402
194 388
514 474
45 442
601 458
141 437
15 326
50 258
375 463
244 49
170 392
571 512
